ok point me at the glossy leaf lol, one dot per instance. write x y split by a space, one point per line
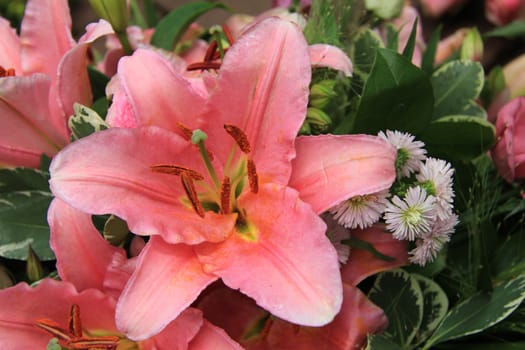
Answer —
458 137
170 29
400 296
397 96
481 311
23 222
23 179
364 51
456 85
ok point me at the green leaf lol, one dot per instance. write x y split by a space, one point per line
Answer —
354 242
458 137
98 82
322 26
85 122
435 306
480 311
427 62
171 27
364 51
509 258
514 29
397 95
23 179
23 222
408 51
392 37
456 85
399 295
474 110
385 9
380 342
494 84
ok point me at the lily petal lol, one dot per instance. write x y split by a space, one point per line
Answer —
9 47
26 133
167 280
178 334
73 83
83 256
263 84
329 169
287 265
45 35
174 101
212 337
363 264
322 55
121 182
21 306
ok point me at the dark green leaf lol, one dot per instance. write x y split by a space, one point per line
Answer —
514 29
509 257
354 242
364 51
85 122
397 96
427 62
458 137
456 85
98 82
392 37
481 311
380 342
171 27
408 51
322 26
399 295
23 222
494 84
23 179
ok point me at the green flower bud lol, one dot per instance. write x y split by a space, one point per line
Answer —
113 11
324 88
115 231
34 269
472 46
318 118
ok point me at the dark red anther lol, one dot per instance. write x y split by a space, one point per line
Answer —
203 66
189 188
186 132
10 72
176 170
253 178
225 195
210 52
228 34
75 325
239 136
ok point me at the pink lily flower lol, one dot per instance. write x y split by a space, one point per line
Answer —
250 216
93 274
238 315
44 66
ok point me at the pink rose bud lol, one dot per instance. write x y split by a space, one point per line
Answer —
501 12
509 151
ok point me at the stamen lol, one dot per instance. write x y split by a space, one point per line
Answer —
10 72
253 178
210 52
75 325
108 342
186 132
189 188
228 34
239 136
225 195
53 328
176 170
203 66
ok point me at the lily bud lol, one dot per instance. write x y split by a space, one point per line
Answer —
472 46
6 278
318 119
115 230
34 269
321 93
113 11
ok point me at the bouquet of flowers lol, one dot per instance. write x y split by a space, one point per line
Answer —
332 174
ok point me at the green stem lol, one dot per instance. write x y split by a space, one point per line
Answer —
126 46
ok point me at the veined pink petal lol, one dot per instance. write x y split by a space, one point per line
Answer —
168 278
83 256
263 89
349 330
363 264
45 35
9 47
26 131
73 83
170 98
212 337
178 334
329 169
329 56
121 182
21 306
289 267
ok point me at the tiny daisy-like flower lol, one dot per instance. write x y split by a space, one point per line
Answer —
410 153
412 217
431 243
435 175
361 211
337 234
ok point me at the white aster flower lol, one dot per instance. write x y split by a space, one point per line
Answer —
431 243
337 234
436 176
412 217
410 153
361 211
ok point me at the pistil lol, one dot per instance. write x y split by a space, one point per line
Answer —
198 139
